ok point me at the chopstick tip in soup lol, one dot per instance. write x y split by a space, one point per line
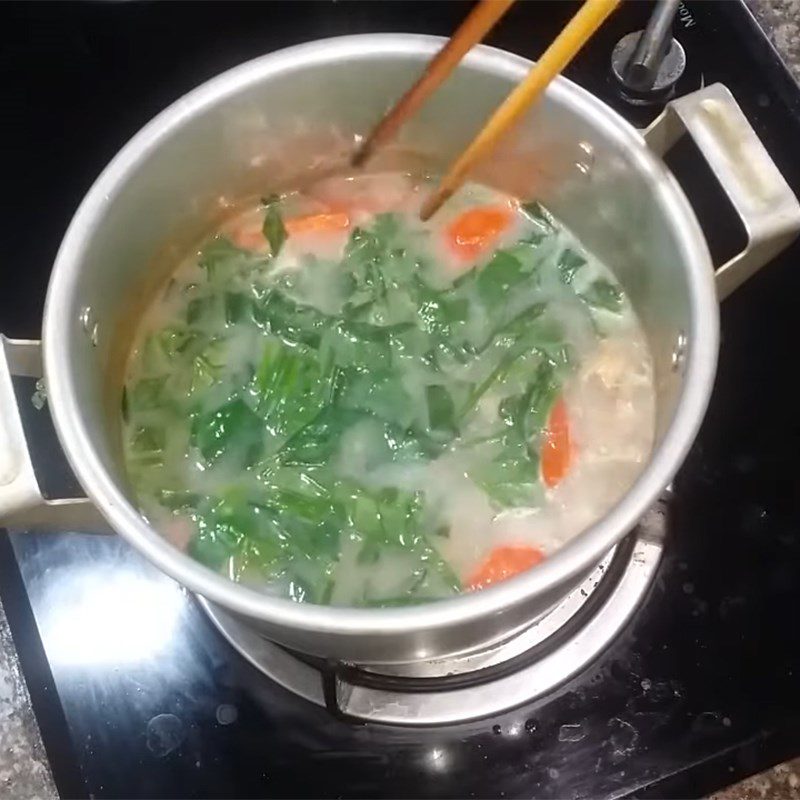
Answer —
340 404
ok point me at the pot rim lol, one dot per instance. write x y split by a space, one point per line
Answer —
573 558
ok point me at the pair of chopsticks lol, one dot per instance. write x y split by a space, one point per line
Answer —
477 24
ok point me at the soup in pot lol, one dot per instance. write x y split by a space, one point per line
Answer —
338 403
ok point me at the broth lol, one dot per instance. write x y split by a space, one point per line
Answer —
338 403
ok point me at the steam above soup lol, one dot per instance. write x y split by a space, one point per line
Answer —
340 404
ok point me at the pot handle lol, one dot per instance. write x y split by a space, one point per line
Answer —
22 505
758 192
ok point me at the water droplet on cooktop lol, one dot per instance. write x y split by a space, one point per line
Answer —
623 739
707 722
165 733
571 733
226 714
496 729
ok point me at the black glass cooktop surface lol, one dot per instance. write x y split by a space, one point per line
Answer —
138 695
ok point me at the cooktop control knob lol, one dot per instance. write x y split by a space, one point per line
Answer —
648 63
640 83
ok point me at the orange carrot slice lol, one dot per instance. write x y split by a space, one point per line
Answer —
317 223
477 229
502 563
556 454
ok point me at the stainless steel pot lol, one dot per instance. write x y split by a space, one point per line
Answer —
256 125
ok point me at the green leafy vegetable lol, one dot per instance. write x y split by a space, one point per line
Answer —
232 427
222 260
175 341
315 443
537 213
569 263
441 410
292 321
603 294
511 478
273 228
291 386
146 447
147 394
238 307
499 277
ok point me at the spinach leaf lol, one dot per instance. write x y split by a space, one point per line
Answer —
520 330
221 260
568 264
543 225
370 245
291 385
439 313
147 394
310 526
175 341
207 366
287 536
536 401
358 344
441 569
409 445
234 527
238 308
179 499
233 429
293 322
147 445
441 411
519 349
604 294
380 393
391 518
273 227
511 478
381 518
498 277
204 375
148 441
201 312
380 275
316 442
537 213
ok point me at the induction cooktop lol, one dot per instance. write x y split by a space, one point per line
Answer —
136 691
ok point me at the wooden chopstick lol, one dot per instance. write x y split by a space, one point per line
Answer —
478 23
563 49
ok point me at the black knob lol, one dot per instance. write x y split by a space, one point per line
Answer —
648 63
643 81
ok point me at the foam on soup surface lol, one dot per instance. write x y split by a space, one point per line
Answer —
341 404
